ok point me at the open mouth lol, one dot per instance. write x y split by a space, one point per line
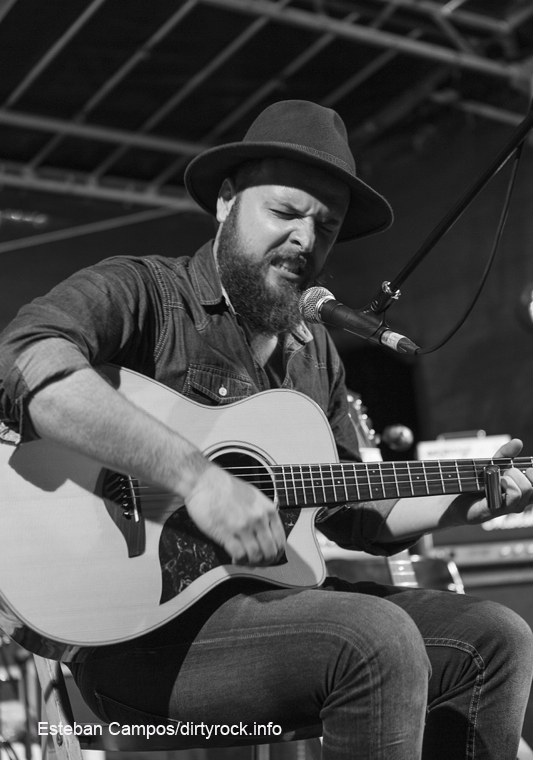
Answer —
292 268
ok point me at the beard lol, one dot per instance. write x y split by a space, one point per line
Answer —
268 309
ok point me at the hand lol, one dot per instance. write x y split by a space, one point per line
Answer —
517 487
237 516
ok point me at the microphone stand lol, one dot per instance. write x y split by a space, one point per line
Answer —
390 291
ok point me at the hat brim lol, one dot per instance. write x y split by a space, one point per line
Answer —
368 212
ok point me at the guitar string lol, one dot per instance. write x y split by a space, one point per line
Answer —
380 468
394 470
364 487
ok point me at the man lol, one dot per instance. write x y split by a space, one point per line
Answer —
359 664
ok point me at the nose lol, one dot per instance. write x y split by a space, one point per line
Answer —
303 234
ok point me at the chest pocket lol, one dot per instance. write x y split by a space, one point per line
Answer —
213 385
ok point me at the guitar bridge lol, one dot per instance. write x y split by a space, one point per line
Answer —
123 503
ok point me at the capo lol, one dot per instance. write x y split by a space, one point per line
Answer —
493 489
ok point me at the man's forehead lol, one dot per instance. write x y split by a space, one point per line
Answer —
283 177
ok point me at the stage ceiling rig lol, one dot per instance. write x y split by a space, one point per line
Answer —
109 99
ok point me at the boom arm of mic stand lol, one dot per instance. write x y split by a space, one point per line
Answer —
390 292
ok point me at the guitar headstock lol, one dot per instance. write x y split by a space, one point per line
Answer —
367 438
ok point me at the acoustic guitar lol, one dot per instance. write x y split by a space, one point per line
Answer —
91 557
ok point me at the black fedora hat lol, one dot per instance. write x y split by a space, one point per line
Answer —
301 131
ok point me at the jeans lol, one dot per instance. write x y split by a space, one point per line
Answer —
384 673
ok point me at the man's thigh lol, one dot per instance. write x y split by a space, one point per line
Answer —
256 656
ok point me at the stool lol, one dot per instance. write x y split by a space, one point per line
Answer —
97 736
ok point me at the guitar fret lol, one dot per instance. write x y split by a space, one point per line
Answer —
377 481
389 480
418 478
411 481
476 475
450 477
315 500
286 487
329 486
382 481
333 484
303 486
320 484
459 483
350 483
441 475
299 486
395 475
339 483
426 484
471 479
363 487
293 484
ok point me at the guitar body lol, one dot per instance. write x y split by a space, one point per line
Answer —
72 576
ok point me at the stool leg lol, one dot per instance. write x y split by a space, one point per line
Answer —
57 707
261 752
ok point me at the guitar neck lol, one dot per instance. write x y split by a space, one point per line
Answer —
330 484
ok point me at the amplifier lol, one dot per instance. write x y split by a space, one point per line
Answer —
506 540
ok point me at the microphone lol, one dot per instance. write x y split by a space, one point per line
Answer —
319 305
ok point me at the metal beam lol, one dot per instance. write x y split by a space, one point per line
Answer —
519 18
100 134
193 83
452 99
397 109
256 97
369 36
5 7
361 76
500 115
453 35
56 48
449 11
68 233
140 55
79 185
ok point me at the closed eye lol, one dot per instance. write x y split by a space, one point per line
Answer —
329 227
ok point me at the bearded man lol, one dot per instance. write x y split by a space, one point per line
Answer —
382 673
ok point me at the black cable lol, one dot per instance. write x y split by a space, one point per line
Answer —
488 267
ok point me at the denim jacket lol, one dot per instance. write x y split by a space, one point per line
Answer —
168 319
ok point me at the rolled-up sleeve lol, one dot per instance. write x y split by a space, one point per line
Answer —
95 316
44 361
357 526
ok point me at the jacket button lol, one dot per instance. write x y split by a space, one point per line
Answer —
222 391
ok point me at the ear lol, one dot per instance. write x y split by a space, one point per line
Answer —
226 199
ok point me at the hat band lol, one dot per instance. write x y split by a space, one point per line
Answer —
319 153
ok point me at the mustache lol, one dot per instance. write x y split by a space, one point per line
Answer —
288 257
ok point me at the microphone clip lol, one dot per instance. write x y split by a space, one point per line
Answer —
384 298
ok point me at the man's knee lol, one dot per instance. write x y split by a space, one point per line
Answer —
385 638
507 630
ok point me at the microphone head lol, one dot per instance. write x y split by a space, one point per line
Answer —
311 302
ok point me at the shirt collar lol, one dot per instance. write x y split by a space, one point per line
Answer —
210 291
204 275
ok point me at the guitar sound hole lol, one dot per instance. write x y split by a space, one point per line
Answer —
247 468
185 553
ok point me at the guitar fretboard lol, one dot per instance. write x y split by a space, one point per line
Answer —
302 485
